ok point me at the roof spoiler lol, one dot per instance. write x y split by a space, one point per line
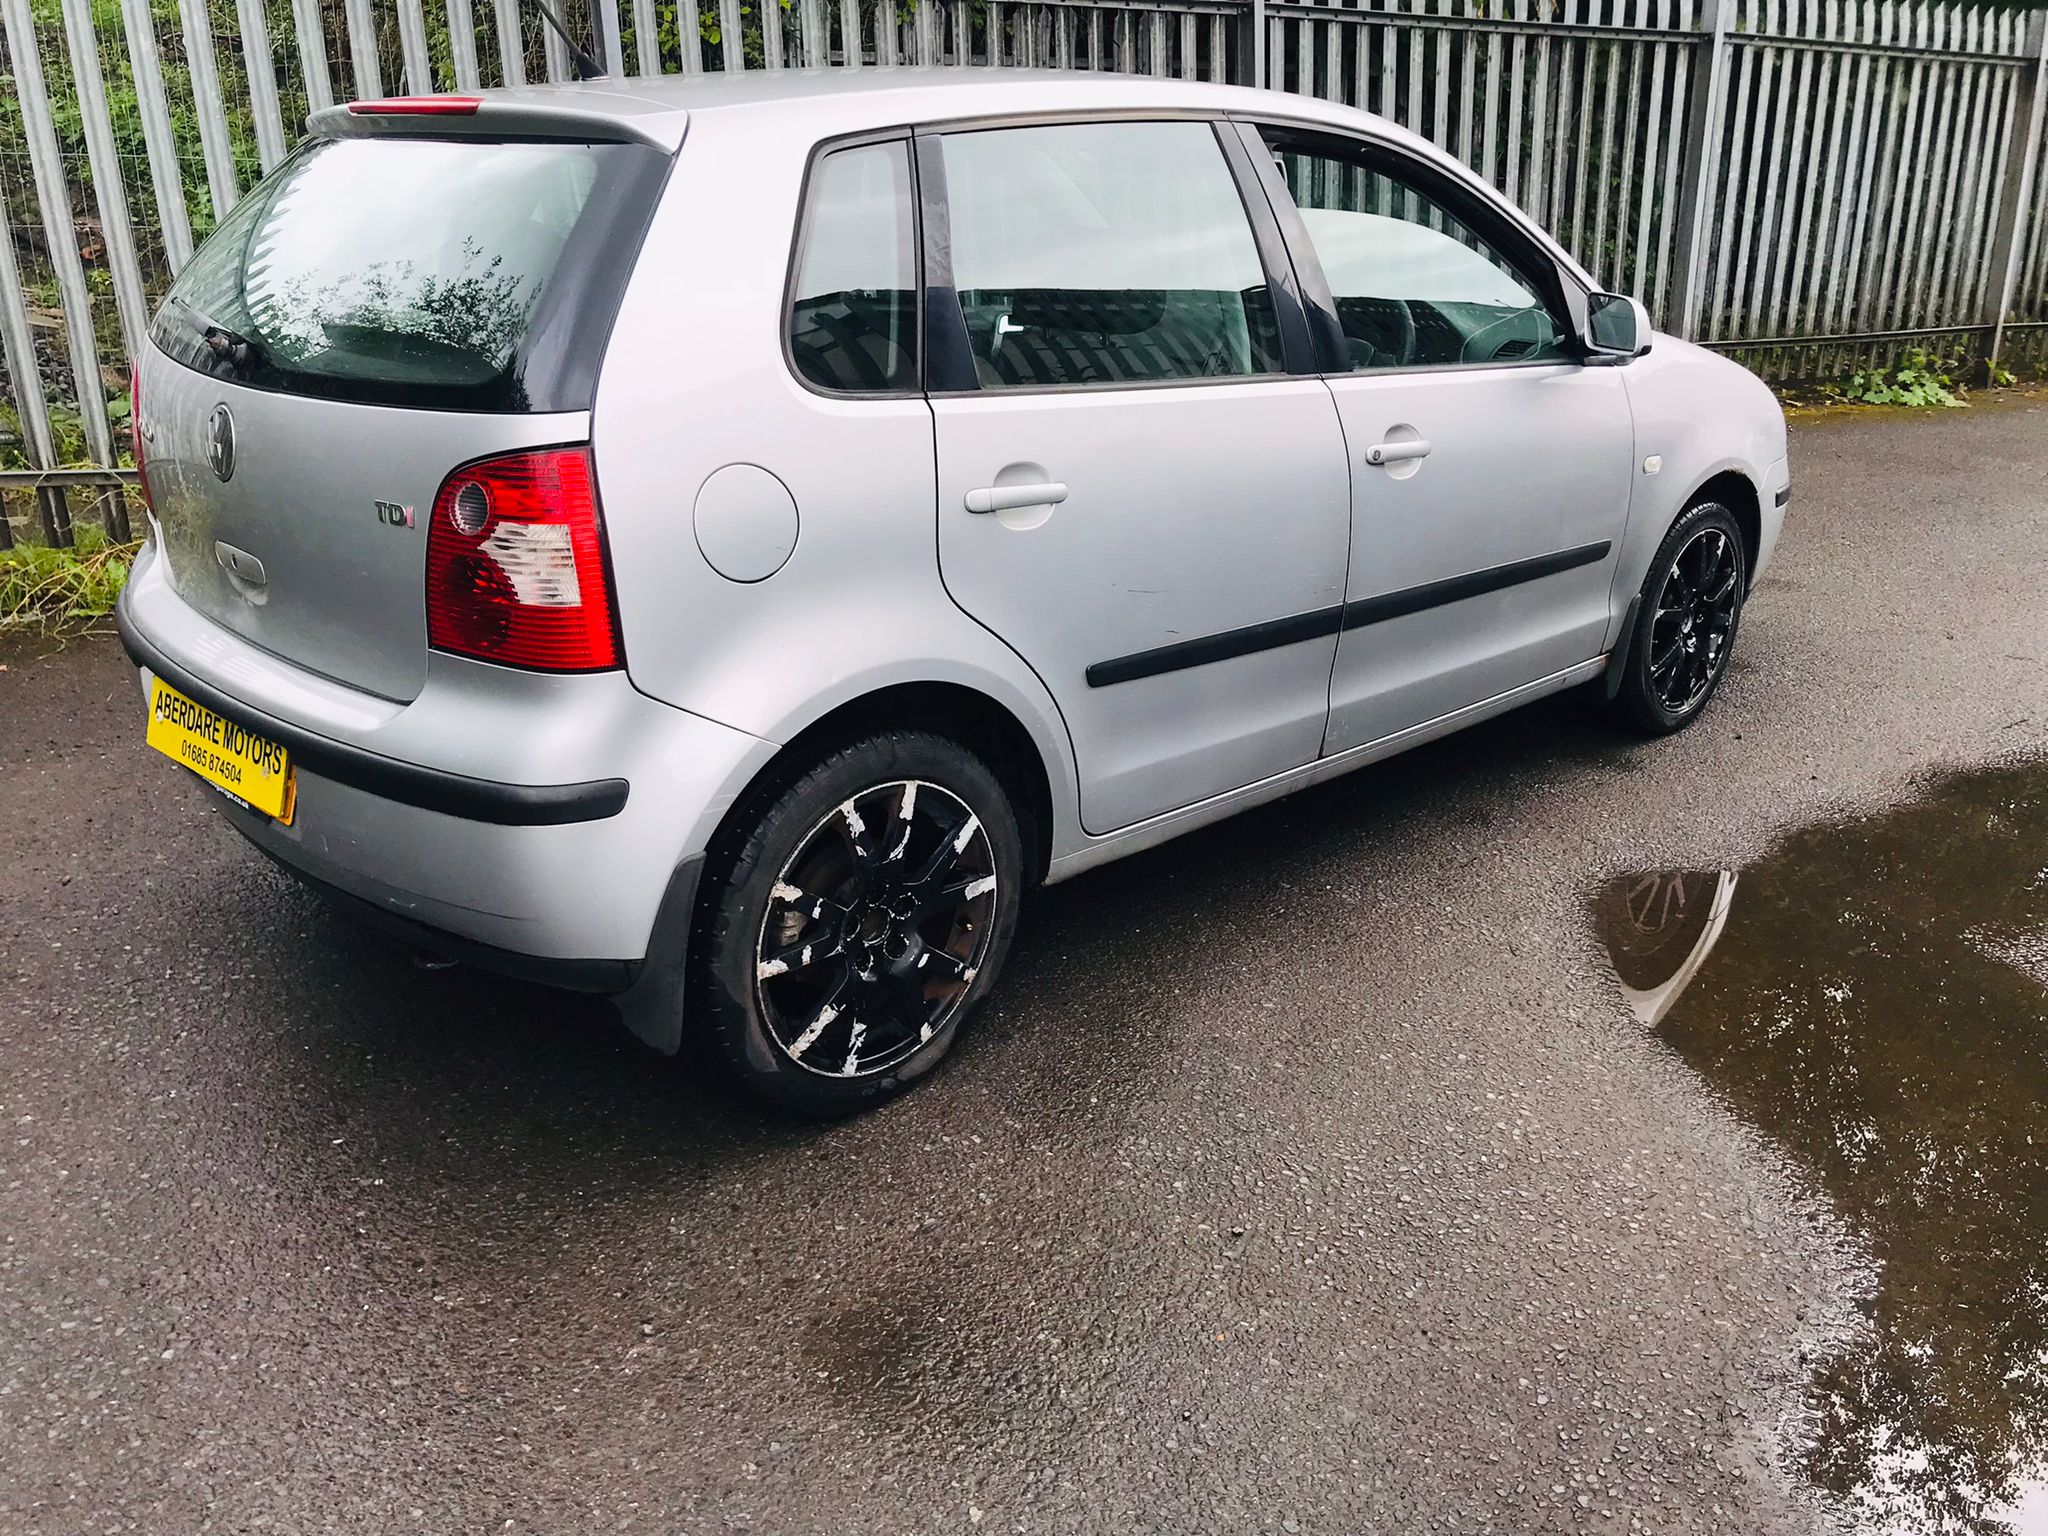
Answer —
533 112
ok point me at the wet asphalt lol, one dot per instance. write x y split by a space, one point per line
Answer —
1872 994
1310 1174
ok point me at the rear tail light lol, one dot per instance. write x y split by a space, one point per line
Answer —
135 434
516 568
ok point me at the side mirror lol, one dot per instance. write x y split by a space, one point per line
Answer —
1616 328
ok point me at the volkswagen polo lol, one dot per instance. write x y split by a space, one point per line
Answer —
720 543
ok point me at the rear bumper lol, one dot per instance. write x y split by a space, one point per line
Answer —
604 977
647 993
431 789
536 825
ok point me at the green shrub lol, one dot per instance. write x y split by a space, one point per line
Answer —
53 590
1921 379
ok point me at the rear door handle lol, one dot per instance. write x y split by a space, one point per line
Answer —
1398 453
1005 498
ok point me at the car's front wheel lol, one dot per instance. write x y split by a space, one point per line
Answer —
858 916
1685 622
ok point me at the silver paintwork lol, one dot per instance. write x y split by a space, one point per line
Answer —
1703 415
347 595
1171 530
586 891
1524 461
1188 510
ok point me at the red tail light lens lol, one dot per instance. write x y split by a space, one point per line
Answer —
515 565
135 435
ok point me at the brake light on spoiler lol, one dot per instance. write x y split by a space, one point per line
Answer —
418 106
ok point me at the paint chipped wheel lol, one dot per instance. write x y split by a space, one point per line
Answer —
860 918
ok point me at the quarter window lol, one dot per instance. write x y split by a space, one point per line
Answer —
1415 285
1105 253
853 322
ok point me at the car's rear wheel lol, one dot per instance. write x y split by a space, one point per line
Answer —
856 919
1686 621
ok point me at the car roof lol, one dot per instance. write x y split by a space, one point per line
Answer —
838 100
833 101
913 94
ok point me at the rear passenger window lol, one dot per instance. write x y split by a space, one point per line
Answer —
1105 253
853 325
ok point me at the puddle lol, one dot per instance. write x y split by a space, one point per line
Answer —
1873 996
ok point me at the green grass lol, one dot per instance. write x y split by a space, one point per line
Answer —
60 591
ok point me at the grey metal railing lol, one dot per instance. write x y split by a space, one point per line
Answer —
1812 185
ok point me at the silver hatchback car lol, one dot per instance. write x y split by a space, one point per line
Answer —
718 544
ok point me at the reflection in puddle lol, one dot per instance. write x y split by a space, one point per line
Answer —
1874 996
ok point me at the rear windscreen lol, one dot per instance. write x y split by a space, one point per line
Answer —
462 274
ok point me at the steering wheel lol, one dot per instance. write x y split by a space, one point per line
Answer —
1393 343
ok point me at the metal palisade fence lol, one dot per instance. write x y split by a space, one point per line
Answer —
1813 185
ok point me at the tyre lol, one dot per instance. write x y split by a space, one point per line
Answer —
859 914
1685 622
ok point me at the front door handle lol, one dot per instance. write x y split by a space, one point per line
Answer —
1006 498
1398 453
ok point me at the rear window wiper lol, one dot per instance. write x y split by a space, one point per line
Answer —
230 347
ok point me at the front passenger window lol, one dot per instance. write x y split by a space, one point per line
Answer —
1105 253
1415 286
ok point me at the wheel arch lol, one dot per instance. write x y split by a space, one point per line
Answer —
975 719
1730 483
1736 491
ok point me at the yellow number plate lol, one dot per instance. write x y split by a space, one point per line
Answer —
249 768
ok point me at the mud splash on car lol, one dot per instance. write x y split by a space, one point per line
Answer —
1873 997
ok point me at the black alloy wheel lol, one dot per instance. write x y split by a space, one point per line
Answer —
1686 621
1693 620
876 928
855 915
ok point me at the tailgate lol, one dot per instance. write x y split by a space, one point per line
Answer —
314 546
378 312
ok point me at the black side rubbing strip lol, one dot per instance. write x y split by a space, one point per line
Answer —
1227 646
1434 594
1232 643
1784 495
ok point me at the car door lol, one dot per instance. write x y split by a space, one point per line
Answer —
1490 467
1134 492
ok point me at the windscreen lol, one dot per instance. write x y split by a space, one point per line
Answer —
460 273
